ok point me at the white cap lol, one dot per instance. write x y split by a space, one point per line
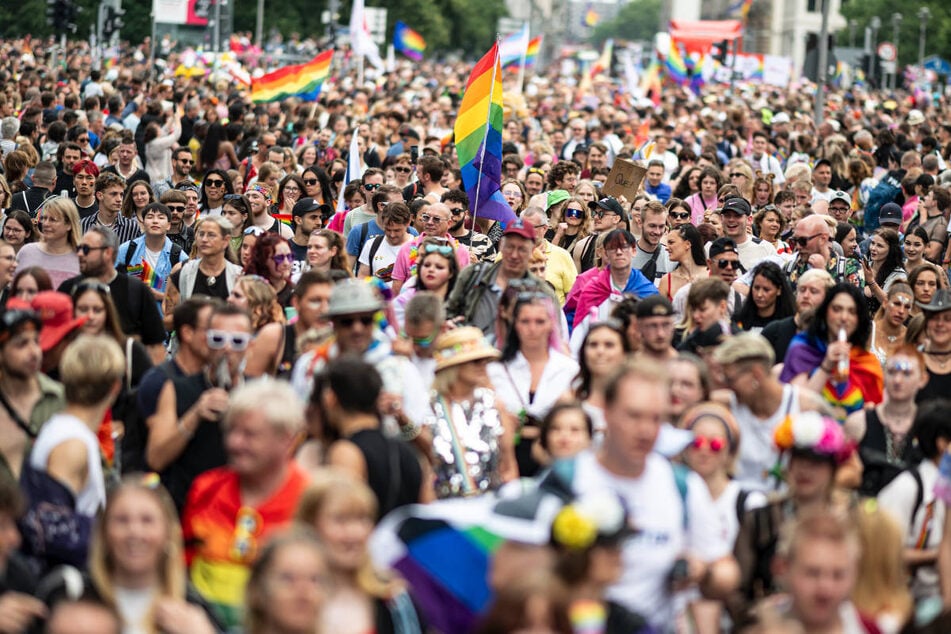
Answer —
781 117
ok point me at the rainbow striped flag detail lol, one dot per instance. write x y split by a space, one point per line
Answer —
300 80
147 274
284 219
534 45
603 63
591 17
478 133
408 42
676 67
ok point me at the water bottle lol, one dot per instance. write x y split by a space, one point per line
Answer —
842 367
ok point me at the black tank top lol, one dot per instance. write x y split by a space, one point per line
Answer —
393 472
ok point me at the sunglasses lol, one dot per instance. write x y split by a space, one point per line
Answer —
310 182
728 264
282 258
573 212
716 445
214 183
174 208
218 339
233 196
458 212
429 218
85 249
680 216
348 321
371 186
186 161
737 175
602 213
423 342
437 248
90 285
403 170
803 240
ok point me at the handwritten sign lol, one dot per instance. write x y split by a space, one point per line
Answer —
625 179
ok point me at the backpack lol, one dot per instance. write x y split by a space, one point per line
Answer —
377 241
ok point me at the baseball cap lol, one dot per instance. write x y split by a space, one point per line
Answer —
55 309
916 117
519 228
608 203
306 205
890 213
556 196
16 316
782 117
737 205
654 306
722 245
822 161
840 195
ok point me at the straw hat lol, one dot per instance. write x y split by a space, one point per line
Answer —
462 345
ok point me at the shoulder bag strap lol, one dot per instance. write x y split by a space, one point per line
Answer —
22 424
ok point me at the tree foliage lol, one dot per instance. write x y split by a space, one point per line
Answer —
445 24
938 33
637 20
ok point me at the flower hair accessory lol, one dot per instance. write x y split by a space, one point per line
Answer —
813 432
580 524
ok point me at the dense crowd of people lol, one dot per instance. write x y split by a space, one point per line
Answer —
223 364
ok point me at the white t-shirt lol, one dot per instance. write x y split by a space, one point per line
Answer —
758 454
654 504
56 431
383 259
727 512
752 252
511 386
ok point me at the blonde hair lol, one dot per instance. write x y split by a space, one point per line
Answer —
90 369
172 574
329 486
262 301
66 209
275 401
882 581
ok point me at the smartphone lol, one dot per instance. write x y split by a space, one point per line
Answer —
414 153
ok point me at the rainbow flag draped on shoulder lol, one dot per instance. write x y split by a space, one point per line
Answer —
303 81
478 133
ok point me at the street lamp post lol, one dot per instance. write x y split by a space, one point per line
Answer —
924 14
896 32
875 24
853 24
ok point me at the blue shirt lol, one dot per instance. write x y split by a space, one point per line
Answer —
163 268
661 192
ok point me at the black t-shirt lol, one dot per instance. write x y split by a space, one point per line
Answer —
938 386
300 258
138 312
780 334
393 472
85 212
202 286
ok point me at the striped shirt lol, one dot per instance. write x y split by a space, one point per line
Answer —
125 228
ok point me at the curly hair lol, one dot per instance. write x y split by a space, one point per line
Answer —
261 254
561 169
262 301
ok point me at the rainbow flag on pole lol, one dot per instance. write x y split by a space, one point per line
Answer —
478 133
676 67
534 45
408 42
300 80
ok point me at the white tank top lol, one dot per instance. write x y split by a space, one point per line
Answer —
59 429
758 454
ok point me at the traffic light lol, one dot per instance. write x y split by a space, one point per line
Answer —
113 22
61 15
720 51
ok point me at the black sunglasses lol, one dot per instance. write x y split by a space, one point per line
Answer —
680 215
85 249
348 320
728 264
803 240
91 285
310 181
214 183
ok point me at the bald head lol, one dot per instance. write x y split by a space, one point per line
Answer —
815 231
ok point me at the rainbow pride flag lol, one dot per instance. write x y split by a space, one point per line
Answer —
147 274
284 219
675 65
534 45
478 133
603 63
300 80
408 42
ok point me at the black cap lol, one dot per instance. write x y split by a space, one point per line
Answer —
890 213
305 206
654 306
608 203
15 316
738 205
822 161
722 245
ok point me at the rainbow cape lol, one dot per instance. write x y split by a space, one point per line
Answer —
478 133
300 80
408 42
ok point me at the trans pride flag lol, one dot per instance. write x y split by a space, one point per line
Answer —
478 133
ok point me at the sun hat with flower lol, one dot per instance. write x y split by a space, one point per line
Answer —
812 435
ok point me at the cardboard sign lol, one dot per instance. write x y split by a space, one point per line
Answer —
625 179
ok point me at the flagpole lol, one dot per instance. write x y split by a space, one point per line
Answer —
521 67
488 118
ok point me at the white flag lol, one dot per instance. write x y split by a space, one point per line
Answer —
360 39
354 170
513 47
